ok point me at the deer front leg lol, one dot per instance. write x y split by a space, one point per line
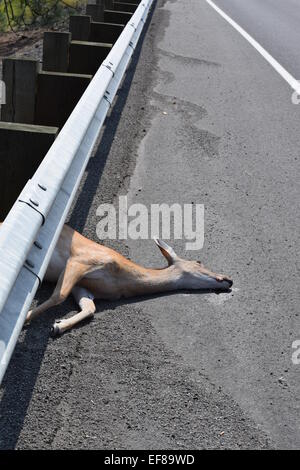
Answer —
72 273
84 298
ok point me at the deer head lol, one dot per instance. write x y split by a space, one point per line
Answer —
193 274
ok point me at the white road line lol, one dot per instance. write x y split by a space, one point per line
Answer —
273 62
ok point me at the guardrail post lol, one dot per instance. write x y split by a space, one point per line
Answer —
105 32
22 149
134 2
57 96
80 27
130 7
20 78
86 57
96 11
119 17
108 4
56 51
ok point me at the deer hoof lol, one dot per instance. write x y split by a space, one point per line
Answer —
55 330
28 318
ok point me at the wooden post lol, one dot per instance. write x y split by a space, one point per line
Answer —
86 57
108 4
105 32
80 27
20 78
134 2
56 51
22 149
96 11
57 96
130 7
119 17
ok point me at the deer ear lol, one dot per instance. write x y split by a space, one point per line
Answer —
167 251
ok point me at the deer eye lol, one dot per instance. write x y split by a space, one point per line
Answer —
199 262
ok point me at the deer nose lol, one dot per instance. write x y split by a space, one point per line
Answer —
224 279
227 280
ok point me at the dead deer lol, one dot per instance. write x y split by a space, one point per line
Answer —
90 270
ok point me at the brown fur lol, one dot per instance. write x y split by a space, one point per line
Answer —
90 270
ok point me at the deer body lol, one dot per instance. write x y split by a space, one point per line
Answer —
109 275
90 270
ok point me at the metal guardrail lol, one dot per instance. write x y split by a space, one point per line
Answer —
30 231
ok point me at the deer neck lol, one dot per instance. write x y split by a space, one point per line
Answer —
151 281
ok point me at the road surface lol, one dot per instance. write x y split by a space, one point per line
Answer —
201 118
273 23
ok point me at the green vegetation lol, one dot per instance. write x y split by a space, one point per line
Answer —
19 14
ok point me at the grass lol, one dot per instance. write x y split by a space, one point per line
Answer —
23 13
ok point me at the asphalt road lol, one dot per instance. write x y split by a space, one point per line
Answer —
201 118
273 23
